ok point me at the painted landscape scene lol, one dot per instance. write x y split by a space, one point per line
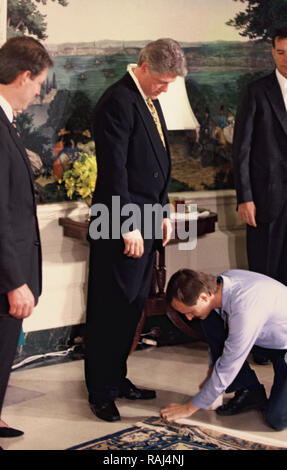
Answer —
221 61
58 125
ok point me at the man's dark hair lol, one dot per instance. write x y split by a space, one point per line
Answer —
280 34
186 285
22 53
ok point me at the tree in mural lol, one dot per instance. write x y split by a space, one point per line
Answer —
71 110
23 16
260 19
34 140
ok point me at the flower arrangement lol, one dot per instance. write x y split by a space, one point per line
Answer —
80 178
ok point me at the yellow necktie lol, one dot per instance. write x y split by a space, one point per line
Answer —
156 119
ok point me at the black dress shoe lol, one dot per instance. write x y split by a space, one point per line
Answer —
10 432
106 411
128 390
244 400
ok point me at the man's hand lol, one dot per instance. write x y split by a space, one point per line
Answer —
134 245
247 213
176 411
166 231
21 301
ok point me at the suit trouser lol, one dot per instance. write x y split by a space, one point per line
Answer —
276 415
112 319
10 329
267 247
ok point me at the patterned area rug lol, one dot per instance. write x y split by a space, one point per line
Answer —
155 434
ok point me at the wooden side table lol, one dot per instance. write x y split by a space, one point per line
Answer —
155 305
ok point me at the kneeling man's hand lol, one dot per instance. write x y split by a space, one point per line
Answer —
175 411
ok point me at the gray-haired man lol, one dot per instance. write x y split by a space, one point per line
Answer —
133 164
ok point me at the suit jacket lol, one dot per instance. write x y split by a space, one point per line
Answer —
260 148
20 248
133 164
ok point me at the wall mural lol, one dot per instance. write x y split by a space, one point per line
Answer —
57 125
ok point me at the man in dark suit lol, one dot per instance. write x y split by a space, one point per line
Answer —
133 168
260 162
24 63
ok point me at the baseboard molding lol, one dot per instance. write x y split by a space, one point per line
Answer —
50 346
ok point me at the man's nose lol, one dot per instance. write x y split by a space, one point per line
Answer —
189 316
164 88
38 92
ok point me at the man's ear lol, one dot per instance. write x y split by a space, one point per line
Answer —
204 297
144 67
23 77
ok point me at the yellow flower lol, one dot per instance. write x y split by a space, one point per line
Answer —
81 178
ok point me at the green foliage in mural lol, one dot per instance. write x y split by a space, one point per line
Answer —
34 139
24 17
247 78
64 3
260 19
71 110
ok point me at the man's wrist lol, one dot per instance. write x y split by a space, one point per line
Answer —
192 407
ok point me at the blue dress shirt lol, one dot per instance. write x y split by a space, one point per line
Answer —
255 307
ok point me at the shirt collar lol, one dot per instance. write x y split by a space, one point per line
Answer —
282 81
130 68
7 108
226 293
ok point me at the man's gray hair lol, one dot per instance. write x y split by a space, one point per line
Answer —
164 56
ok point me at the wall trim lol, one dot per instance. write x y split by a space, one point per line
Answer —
3 21
40 346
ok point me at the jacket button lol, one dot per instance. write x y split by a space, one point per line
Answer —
37 243
155 174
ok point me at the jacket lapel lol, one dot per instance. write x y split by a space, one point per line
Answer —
163 125
165 133
274 95
17 141
161 154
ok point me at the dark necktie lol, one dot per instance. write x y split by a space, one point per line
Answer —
14 124
225 319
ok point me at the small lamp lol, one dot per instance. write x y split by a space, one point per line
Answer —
176 108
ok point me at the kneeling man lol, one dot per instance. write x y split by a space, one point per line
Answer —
240 310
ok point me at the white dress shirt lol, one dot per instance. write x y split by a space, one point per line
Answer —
283 85
256 310
7 108
130 68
